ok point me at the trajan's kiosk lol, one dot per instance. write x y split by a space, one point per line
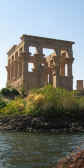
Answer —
55 69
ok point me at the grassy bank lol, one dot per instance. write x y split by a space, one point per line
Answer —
48 102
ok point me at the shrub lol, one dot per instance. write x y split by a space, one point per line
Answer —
53 102
14 107
35 103
46 101
81 109
9 93
2 103
81 103
22 91
70 106
14 92
49 102
5 92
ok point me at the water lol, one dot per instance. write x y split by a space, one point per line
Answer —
20 150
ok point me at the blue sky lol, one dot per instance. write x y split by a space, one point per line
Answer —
60 19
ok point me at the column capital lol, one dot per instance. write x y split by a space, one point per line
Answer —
57 51
39 50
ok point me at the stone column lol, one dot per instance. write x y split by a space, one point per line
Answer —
70 51
8 71
70 69
20 68
11 71
58 51
24 64
26 47
15 69
62 69
8 75
56 67
38 59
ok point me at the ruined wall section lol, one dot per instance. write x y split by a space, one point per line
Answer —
15 66
57 62
80 85
38 77
45 70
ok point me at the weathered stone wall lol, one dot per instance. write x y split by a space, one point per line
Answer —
80 85
45 70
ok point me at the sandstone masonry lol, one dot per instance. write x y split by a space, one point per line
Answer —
55 69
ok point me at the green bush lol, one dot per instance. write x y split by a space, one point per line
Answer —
9 93
48 102
2 103
14 107
54 103
5 92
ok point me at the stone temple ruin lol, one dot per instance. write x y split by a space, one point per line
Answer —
37 70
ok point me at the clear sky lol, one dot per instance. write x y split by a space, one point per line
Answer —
61 19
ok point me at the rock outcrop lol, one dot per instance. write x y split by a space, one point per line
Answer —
72 161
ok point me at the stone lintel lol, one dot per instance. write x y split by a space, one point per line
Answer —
30 37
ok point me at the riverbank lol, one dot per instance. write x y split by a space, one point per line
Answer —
38 124
44 109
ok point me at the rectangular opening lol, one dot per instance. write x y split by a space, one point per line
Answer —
47 51
30 67
32 50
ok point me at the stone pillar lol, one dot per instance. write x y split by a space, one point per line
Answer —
17 68
13 70
26 47
70 51
70 69
70 62
55 70
24 60
62 69
8 75
38 59
80 85
20 68
54 81
9 67
58 51
8 71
